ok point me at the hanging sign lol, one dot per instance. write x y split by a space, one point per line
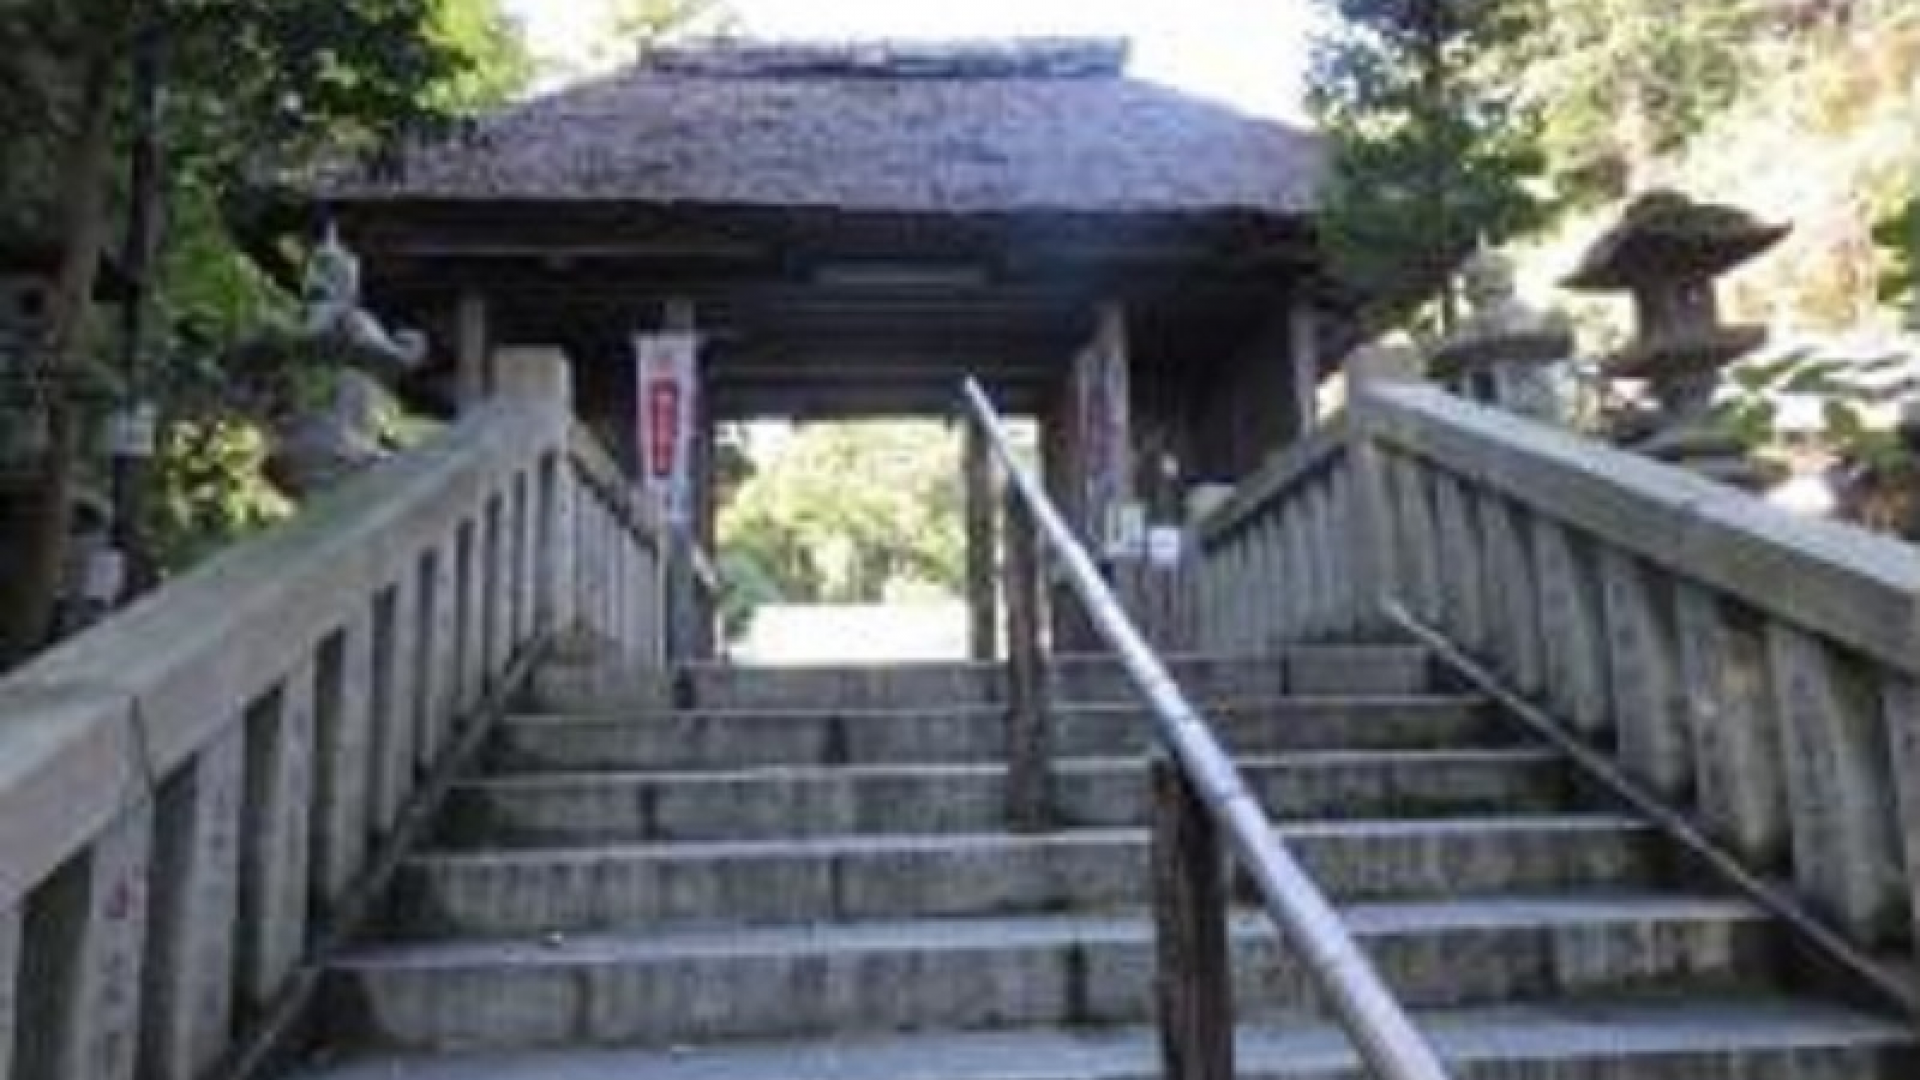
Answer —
664 412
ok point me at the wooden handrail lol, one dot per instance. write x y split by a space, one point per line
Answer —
1384 1035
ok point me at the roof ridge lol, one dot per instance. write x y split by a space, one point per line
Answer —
888 58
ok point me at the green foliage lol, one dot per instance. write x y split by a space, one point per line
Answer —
494 61
209 489
1898 236
1430 154
252 90
1620 82
745 586
1844 386
852 513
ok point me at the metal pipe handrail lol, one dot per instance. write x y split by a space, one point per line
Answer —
1383 1034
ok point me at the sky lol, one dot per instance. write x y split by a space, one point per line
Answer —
1250 53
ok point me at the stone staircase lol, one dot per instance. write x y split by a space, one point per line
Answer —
805 876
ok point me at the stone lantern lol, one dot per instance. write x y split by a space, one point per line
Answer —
1666 251
1505 352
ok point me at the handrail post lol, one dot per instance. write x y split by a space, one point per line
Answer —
1029 785
978 497
1383 1034
1194 970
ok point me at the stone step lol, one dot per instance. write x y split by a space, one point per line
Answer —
1306 670
792 801
1312 669
756 737
881 877
657 988
1748 1037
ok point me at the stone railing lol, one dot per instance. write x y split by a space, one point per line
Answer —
1752 670
199 797
1277 565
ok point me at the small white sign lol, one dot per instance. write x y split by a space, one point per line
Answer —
134 432
106 576
1164 546
1126 531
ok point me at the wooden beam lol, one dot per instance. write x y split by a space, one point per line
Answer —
1029 768
1303 347
1194 978
982 582
827 402
472 344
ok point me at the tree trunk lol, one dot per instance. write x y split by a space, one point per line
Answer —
35 527
140 252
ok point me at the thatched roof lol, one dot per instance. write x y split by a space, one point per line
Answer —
982 127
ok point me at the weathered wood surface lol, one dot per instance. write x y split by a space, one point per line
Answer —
1029 784
983 595
1194 976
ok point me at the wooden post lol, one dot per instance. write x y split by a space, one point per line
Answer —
1029 787
683 601
1303 346
471 345
1194 979
983 610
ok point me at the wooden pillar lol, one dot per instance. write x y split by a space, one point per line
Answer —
1029 787
1303 347
1194 977
472 343
982 586
684 603
705 520
1061 462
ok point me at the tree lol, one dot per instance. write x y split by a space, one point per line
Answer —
1430 154
257 87
1899 239
1620 83
853 513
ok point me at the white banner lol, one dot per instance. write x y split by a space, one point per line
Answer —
666 382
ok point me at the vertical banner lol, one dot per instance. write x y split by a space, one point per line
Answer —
666 384
1103 405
